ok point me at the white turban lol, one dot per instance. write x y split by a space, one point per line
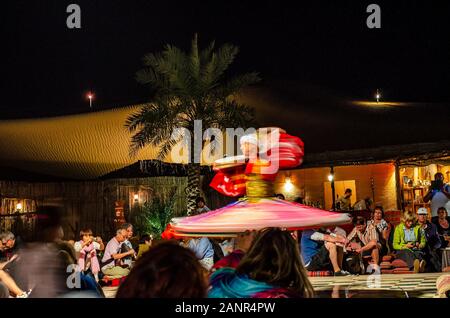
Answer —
252 139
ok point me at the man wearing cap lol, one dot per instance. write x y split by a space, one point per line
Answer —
431 250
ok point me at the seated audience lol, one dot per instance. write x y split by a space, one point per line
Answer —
203 249
8 282
4 291
344 203
126 246
201 206
144 244
242 244
87 249
218 251
442 222
167 270
432 256
112 255
8 246
383 229
363 239
409 242
322 250
271 268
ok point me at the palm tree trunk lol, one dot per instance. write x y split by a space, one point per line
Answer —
193 187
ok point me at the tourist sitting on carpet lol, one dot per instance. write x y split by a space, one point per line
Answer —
7 242
126 246
432 255
167 270
110 265
409 242
366 238
322 250
87 248
10 284
203 249
144 244
383 229
271 268
442 222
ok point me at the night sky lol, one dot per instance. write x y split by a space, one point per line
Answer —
47 68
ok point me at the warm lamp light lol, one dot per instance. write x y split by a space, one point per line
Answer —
288 186
136 197
330 177
18 206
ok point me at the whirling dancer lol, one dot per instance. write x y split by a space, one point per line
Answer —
251 176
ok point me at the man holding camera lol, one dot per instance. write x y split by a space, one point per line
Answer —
439 194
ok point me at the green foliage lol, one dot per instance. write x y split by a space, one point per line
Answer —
153 217
187 87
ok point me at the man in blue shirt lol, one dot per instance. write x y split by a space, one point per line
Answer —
204 251
323 250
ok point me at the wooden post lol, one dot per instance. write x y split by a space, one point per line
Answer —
398 187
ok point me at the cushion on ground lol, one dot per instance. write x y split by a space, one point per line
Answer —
403 272
399 263
399 269
320 273
386 263
387 271
386 266
387 258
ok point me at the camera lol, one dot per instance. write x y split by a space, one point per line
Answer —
437 184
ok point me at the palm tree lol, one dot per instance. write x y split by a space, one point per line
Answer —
187 87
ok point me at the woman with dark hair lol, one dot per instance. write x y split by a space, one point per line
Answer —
167 270
442 222
383 229
145 242
271 268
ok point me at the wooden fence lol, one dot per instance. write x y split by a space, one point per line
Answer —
91 204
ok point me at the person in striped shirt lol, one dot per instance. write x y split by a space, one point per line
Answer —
363 239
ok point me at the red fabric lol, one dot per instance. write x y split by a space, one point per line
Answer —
231 260
117 281
399 263
230 181
276 293
169 233
319 273
401 269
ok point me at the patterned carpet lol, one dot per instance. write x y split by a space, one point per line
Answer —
415 285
